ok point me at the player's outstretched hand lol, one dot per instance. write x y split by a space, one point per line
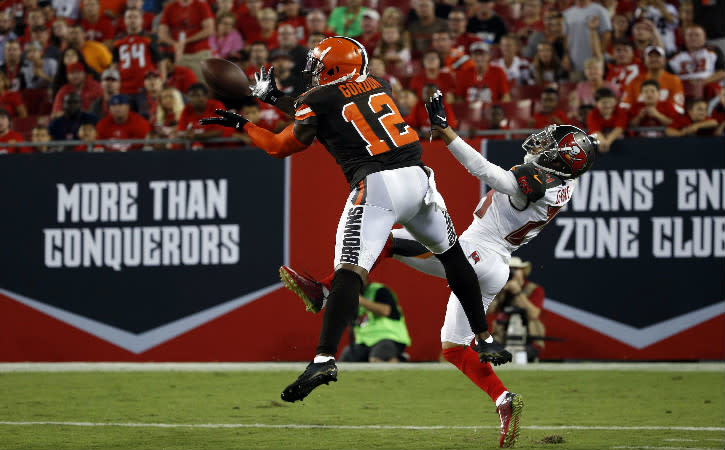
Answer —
493 353
227 119
265 87
436 111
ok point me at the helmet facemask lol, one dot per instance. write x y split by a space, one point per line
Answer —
565 151
326 66
312 70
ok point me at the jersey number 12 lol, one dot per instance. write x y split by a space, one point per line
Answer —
390 119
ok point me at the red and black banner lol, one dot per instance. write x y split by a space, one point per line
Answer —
173 255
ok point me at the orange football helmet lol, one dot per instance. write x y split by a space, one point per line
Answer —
336 60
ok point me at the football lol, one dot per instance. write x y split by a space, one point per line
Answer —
225 78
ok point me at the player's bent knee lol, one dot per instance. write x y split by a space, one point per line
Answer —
348 280
359 271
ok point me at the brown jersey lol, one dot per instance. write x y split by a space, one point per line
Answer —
361 126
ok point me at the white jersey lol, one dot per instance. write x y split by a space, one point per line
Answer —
697 65
500 226
519 204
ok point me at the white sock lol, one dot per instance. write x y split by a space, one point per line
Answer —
322 359
500 398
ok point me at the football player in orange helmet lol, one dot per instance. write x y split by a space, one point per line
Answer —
355 118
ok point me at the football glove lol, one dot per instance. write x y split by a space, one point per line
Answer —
436 111
265 88
493 353
227 119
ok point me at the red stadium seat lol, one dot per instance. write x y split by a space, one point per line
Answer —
37 101
524 92
518 112
24 125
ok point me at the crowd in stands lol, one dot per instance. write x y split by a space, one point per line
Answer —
99 70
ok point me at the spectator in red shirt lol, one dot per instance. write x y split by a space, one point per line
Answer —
122 123
457 22
267 18
88 88
625 67
98 27
433 74
258 58
8 136
186 26
418 116
607 120
291 16
484 83
695 122
247 22
200 106
454 59
549 112
147 18
651 112
177 76
370 24
135 53
530 21
11 101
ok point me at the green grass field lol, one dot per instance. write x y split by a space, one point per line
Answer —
422 406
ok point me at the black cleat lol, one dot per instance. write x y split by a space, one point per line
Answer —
493 353
314 375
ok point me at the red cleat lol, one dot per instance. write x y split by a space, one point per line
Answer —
307 288
510 414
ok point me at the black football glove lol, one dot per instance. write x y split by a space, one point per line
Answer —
227 119
493 353
436 111
265 88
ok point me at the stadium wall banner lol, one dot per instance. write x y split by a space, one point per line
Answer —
173 256
634 266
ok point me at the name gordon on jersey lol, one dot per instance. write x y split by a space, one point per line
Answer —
350 89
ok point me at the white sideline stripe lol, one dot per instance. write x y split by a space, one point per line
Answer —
352 427
352 367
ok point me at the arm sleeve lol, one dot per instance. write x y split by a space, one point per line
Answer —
279 144
499 179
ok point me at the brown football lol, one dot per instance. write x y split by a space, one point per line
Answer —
225 78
